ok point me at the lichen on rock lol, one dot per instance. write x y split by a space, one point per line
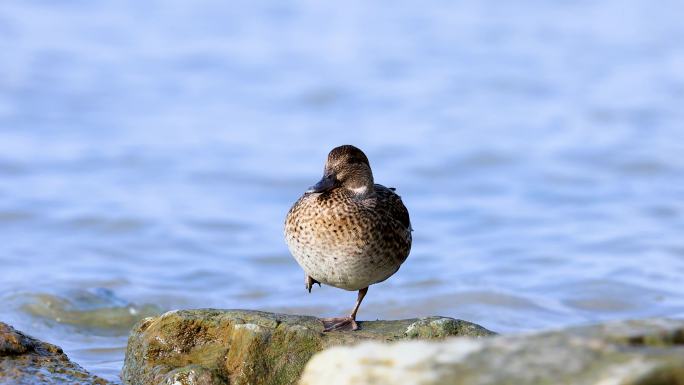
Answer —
442 327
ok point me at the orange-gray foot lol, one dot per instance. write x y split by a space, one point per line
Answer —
343 324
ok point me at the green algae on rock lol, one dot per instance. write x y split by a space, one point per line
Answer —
207 346
648 352
442 327
26 360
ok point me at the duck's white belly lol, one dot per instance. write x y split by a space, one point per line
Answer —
348 267
345 253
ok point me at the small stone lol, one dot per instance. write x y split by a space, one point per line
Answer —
191 375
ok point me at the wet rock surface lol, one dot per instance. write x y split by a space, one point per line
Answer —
649 352
26 360
209 346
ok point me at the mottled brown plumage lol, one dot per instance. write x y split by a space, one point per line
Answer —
346 231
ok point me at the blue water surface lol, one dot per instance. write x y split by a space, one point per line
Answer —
149 152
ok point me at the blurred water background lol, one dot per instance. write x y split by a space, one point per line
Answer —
149 152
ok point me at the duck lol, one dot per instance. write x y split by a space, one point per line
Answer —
348 232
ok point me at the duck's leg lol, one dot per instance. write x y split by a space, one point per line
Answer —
309 282
345 323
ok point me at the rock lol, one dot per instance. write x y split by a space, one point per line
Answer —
26 360
251 347
632 352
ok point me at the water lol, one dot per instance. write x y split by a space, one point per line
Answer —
150 150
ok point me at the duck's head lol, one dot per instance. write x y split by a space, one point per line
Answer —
347 167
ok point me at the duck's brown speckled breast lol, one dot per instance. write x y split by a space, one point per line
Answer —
349 243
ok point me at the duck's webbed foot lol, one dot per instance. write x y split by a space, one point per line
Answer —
309 282
344 324
348 323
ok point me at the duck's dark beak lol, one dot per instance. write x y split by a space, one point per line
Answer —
327 183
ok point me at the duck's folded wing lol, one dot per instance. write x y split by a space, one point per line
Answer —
389 202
